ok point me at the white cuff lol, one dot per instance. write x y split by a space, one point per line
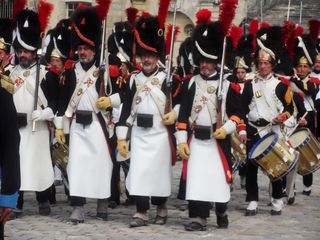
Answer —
242 132
230 126
181 136
58 122
121 132
115 100
176 109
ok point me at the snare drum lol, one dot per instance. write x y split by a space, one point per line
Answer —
309 148
274 155
239 152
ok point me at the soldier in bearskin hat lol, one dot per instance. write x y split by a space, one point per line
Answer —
277 110
304 58
89 153
35 160
198 112
144 109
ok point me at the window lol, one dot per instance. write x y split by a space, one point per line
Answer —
6 9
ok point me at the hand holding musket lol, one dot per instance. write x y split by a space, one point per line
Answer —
36 91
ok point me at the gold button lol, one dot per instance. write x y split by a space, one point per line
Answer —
96 73
26 73
197 108
80 91
211 89
155 81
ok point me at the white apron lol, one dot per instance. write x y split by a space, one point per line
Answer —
150 172
35 159
90 166
206 180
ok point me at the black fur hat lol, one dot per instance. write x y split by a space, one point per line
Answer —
243 52
184 59
86 26
304 50
27 31
150 37
208 43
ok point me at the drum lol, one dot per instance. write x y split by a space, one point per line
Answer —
60 156
274 155
309 148
239 152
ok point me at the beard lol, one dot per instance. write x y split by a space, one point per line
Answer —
206 72
86 59
25 62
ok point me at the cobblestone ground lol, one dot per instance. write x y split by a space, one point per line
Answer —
300 221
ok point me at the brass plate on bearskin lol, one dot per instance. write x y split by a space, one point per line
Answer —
155 81
197 108
138 99
211 89
80 91
95 73
26 73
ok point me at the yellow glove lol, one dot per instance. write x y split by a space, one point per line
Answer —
183 150
60 136
220 133
169 118
103 102
122 146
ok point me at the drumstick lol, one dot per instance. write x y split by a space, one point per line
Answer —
295 127
265 127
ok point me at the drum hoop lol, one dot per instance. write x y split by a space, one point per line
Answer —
267 150
305 141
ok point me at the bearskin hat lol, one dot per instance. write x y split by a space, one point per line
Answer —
27 31
121 40
305 50
208 43
149 37
5 34
86 28
184 59
243 52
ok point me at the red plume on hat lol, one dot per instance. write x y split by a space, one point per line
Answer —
203 16
288 36
314 29
235 34
102 8
45 9
162 12
253 29
168 36
132 15
227 11
18 6
264 25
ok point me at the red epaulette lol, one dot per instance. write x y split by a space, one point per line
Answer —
314 80
68 64
236 87
53 70
285 81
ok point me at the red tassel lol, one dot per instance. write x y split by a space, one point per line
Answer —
113 71
299 31
288 37
253 29
168 37
203 16
132 15
227 11
162 12
18 6
265 25
102 8
45 9
235 34
314 28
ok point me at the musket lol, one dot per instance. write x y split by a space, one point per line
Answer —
168 105
36 90
219 97
288 13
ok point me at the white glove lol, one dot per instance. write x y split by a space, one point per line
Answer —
45 114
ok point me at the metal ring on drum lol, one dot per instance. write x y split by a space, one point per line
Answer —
274 156
309 148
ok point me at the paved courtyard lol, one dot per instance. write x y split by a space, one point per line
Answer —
300 221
